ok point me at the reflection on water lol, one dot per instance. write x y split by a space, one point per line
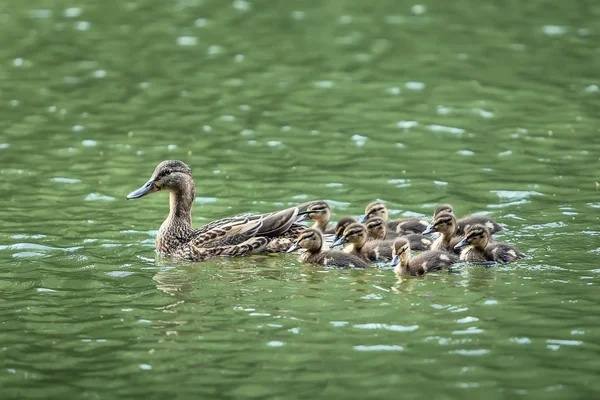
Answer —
273 104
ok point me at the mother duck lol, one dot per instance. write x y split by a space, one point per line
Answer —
227 237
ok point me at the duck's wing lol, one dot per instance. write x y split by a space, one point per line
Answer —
236 230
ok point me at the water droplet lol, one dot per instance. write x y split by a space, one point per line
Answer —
17 62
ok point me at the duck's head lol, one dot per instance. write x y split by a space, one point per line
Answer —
318 211
476 236
375 209
400 252
443 208
355 233
311 240
341 226
172 175
444 223
376 228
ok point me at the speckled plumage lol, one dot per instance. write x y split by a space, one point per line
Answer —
431 260
375 250
402 226
312 241
227 237
477 247
463 223
377 230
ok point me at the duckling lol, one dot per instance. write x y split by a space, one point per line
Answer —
402 225
476 247
445 224
432 260
227 237
312 240
341 226
377 230
320 212
356 235
463 223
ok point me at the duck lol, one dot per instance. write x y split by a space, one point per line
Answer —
312 240
320 212
228 237
445 224
477 247
377 230
431 260
463 223
402 225
341 226
356 235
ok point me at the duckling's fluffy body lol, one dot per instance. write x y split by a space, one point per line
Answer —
377 230
356 237
312 240
402 225
463 223
432 260
477 247
227 237
445 224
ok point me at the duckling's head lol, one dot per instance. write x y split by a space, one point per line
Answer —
443 208
476 236
375 209
376 228
311 240
400 252
341 227
444 223
172 175
318 211
355 233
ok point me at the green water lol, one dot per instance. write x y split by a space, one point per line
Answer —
491 106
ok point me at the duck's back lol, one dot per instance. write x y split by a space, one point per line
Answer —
465 222
503 253
432 260
406 226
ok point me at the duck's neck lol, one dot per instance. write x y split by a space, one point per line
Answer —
320 225
176 229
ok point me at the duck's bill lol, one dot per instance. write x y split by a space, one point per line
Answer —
293 248
339 242
430 229
395 260
364 218
149 187
302 216
461 244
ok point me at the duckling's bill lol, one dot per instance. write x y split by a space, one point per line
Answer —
395 260
339 242
149 187
430 229
461 244
294 247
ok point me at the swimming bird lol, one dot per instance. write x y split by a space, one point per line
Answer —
445 224
312 240
402 225
341 226
432 260
356 235
320 212
227 237
477 247
464 222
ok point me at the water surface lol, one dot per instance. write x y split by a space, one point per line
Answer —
490 106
